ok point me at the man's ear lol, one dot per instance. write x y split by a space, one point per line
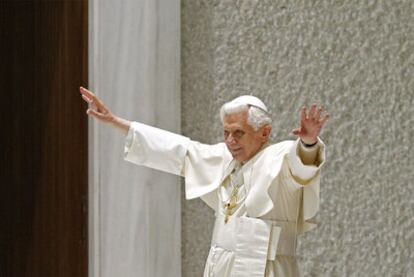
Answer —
267 129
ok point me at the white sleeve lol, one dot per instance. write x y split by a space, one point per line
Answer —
155 148
298 168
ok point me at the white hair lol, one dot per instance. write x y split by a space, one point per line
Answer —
256 117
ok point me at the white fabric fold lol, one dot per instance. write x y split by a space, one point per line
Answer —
204 168
155 148
252 243
298 168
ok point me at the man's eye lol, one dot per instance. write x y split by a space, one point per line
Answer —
238 134
226 134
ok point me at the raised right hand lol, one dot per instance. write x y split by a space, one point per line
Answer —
97 108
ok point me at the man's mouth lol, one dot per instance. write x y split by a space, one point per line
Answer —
235 150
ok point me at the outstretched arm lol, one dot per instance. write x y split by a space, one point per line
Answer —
98 110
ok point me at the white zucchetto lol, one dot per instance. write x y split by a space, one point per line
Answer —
249 100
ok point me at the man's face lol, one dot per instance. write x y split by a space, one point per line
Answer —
241 139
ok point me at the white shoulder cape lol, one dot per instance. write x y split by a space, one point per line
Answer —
205 166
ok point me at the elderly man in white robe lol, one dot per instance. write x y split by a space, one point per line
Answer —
263 195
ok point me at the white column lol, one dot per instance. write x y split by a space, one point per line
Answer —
134 66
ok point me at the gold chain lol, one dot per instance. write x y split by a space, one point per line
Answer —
232 201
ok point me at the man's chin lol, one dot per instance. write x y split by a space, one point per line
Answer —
238 157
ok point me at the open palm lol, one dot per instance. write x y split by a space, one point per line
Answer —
311 124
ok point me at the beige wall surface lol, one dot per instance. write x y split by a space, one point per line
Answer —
357 58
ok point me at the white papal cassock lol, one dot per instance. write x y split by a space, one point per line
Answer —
277 199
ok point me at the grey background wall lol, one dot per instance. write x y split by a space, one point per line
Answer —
357 58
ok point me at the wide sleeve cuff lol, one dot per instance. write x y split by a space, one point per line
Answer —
155 148
301 171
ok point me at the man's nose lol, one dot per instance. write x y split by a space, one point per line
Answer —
230 139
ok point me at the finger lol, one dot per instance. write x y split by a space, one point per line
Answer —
101 106
93 100
96 102
318 113
296 131
324 119
303 114
87 93
89 101
312 111
84 90
96 114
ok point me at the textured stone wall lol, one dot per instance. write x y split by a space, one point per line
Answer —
356 57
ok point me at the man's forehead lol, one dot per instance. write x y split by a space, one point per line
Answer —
235 120
238 116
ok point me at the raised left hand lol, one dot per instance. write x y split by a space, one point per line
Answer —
311 124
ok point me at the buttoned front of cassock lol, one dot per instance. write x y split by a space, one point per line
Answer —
280 189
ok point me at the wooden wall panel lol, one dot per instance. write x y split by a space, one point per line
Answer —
43 191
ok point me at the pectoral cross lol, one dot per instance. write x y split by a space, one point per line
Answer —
230 205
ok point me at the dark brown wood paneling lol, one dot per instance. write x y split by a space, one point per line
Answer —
43 191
